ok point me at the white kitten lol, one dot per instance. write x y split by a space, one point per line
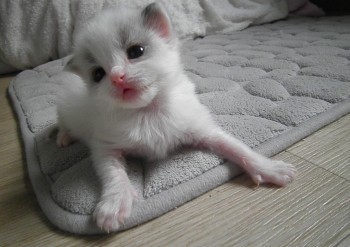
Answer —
137 100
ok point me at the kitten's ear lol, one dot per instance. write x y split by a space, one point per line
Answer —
155 17
72 66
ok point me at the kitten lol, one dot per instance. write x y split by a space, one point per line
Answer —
137 100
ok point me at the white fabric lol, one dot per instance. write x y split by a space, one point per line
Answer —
37 31
235 15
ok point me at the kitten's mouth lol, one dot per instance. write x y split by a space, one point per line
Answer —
129 94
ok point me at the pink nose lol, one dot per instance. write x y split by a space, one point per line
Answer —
118 79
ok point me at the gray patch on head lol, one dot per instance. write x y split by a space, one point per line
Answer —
89 57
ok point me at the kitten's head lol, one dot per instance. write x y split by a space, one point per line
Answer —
127 57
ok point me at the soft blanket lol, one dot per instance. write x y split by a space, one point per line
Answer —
37 31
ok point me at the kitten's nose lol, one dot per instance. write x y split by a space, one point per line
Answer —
118 78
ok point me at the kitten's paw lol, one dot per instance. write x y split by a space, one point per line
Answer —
112 211
63 138
275 172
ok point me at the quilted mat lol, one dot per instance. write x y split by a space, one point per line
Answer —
268 85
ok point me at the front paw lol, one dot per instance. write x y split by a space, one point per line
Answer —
112 210
63 138
274 171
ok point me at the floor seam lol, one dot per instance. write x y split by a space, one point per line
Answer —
337 175
338 244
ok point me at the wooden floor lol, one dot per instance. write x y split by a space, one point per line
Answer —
313 211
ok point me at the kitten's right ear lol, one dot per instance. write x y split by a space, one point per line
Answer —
156 18
72 66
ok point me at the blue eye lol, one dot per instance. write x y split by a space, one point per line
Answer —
135 51
97 74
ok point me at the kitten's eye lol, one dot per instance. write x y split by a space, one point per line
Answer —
97 74
135 51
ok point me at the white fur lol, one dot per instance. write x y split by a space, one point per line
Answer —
165 116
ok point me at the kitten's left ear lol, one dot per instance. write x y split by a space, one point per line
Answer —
155 17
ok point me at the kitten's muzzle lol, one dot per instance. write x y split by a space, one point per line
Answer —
126 89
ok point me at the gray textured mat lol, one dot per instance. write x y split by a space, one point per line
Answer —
269 85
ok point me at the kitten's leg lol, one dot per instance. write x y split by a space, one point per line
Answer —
260 168
117 192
